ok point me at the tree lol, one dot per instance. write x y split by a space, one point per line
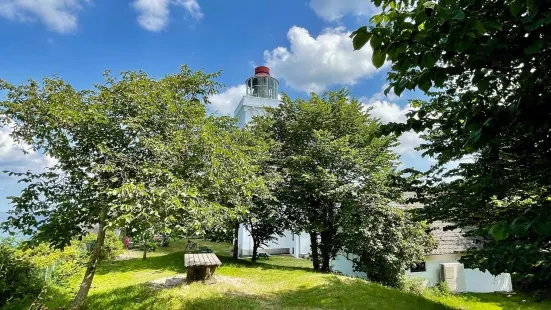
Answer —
134 149
385 241
489 62
265 218
329 154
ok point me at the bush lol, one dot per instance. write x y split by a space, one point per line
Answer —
413 285
441 289
19 279
112 245
56 266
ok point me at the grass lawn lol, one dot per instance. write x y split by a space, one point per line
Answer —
280 282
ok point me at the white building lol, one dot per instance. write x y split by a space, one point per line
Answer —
261 92
442 265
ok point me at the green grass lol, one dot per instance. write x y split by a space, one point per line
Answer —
281 282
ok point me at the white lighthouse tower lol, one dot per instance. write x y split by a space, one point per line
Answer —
262 92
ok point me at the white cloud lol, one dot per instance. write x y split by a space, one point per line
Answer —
12 157
389 112
312 64
154 15
332 10
57 15
192 7
225 102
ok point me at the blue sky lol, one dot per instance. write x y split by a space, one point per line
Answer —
305 43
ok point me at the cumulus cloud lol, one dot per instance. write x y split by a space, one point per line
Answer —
12 157
331 10
311 64
58 15
389 112
154 15
225 102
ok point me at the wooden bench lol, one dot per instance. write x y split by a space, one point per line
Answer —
201 267
204 249
263 255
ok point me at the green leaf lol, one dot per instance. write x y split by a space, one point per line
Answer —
400 86
535 25
491 24
429 4
378 58
375 41
458 15
360 38
428 61
482 84
439 77
500 231
542 227
392 4
425 84
534 47
520 225
516 7
476 26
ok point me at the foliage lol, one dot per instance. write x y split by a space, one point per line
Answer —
282 282
112 245
413 285
441 289
486 67
56 266
332 161
386 240
19 279
265 218
132 150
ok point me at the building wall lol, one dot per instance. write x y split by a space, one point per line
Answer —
297 245
468 280
250 107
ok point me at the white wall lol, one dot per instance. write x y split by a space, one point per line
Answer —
483 282
252 106
432 275
295 244
469 280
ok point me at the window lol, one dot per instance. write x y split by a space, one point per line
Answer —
419 267
293 237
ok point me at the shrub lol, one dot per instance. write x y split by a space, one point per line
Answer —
441 289
19 279
56 266
112 245
413 285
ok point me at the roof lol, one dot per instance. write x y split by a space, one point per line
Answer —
450 241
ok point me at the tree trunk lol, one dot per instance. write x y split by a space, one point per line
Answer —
314 247
255 250
326 245
144 247
236 241
80 299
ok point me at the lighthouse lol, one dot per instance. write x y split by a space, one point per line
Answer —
261 92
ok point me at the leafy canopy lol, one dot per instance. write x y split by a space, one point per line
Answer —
486 67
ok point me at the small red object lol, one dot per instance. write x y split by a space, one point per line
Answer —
262 70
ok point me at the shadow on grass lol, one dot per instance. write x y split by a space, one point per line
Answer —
265 265
335 294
